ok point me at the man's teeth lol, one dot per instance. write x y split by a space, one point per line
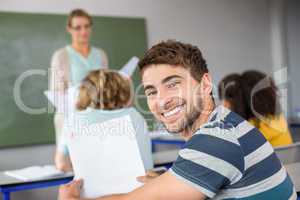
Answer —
172 112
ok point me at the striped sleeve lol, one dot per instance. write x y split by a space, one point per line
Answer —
209 163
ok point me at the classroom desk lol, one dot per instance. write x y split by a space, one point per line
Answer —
165 138
166 141
294 172
295 130
295 125
9 184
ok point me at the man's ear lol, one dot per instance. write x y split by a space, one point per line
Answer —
204 88
206 84
226 104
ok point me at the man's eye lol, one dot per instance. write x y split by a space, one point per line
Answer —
173 84
151 93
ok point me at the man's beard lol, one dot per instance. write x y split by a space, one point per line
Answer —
187 122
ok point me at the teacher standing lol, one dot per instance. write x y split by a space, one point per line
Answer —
70 65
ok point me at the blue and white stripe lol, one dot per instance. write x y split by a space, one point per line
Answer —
227 158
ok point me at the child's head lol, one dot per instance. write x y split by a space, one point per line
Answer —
104 89
231 94
260 94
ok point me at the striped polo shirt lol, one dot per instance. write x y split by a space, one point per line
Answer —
228 158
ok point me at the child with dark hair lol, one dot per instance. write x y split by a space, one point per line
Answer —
252 95
231 94
263 109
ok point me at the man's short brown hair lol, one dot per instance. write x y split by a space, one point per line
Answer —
78 13
176 53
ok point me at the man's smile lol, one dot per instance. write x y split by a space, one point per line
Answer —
173 114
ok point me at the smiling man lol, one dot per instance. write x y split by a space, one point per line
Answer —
224 157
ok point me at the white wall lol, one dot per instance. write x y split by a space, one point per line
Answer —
234 35
278 14
293 33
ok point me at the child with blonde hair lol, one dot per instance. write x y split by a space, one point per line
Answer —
104 95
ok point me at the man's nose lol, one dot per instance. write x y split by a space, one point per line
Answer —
165 104
165 99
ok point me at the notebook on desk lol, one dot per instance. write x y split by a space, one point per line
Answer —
34 173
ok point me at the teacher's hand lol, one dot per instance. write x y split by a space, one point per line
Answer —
70 191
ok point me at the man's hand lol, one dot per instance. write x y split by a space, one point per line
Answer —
150 175
70 191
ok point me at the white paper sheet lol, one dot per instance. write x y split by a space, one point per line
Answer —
129 68
106 156
64 102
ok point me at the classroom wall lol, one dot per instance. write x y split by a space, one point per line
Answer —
293 32
278 36
234 35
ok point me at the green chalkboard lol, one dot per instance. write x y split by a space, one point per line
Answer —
27 42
